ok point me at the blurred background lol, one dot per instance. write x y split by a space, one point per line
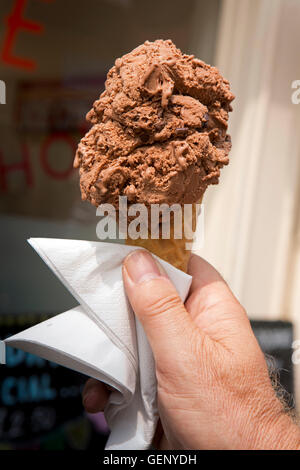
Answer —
54 57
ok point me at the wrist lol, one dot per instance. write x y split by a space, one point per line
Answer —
281 432
273 428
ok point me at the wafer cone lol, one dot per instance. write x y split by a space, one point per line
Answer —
172 250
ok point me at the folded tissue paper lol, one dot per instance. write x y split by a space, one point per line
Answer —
101 337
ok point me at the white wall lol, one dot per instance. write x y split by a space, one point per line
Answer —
250 217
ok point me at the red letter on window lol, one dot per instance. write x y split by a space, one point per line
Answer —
23 165
16 22
55 137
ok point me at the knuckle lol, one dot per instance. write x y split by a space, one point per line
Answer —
157 305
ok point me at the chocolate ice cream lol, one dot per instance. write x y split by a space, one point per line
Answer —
159 129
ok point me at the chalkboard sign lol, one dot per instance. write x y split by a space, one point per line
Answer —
40 402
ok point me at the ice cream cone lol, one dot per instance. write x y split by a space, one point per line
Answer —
158 137
172 250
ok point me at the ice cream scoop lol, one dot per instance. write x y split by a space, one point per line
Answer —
159 129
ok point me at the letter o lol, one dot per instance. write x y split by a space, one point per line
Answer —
44 155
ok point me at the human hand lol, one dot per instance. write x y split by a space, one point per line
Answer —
213 385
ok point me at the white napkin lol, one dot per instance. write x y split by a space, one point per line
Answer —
101 337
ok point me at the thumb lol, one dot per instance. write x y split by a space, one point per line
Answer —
156 303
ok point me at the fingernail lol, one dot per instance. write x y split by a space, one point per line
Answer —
141 266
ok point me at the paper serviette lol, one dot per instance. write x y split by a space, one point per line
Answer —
101 337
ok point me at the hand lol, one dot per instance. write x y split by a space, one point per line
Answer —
214 390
